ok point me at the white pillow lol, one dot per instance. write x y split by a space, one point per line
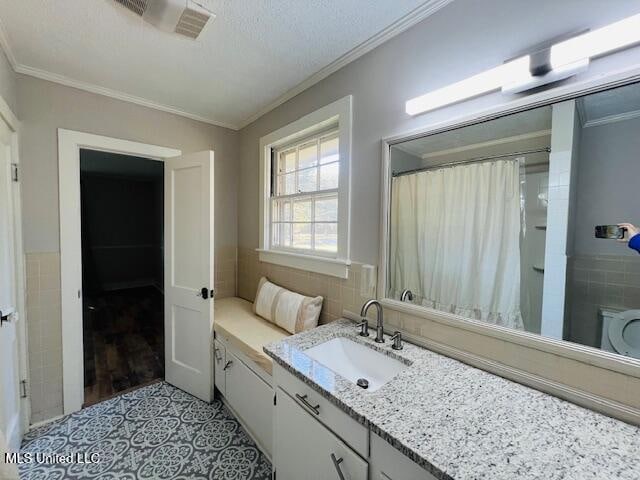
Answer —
289 310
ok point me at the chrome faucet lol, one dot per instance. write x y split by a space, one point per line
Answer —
406 295
364 328
397 340
363 314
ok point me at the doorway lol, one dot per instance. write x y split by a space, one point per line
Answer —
121 201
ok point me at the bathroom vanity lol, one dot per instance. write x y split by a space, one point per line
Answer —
434 418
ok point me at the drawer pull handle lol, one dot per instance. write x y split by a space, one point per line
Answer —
336 463
217 352
305 402
228 364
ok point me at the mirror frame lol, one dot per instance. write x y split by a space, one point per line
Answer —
575 351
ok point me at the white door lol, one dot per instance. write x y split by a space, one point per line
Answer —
188 252
9 367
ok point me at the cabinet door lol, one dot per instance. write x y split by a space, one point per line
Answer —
251 399
387 463
219 360
306 450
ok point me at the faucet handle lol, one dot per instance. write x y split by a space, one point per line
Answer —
364 328
397 340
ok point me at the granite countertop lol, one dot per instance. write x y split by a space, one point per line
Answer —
459 422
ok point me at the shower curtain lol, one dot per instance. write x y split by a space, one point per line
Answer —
455 240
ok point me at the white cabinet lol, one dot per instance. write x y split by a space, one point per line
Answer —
251 398
219 361
306 450
387 463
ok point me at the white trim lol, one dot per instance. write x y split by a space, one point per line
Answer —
125 97
415 16
396 28
340 111
492 143
618 117
20 315
587 355
69 145
4 44
333 267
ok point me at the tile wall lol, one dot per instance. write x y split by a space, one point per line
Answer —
44 332
601 281
345 294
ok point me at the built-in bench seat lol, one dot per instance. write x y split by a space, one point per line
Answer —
244 330
242 371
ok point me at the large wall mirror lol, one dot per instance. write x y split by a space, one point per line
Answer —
517 221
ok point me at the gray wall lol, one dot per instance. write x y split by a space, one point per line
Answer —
608 179
7 82
43 107
466 37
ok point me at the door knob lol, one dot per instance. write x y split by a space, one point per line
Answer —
204 293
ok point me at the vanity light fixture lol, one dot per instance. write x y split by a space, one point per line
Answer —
562 60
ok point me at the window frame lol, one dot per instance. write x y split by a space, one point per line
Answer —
333 118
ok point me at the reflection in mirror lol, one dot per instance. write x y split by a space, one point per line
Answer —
516 221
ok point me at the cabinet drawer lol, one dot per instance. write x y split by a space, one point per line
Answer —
251 399
219 360
345 427
388 463
306 450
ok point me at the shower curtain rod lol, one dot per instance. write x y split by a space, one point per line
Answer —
472 160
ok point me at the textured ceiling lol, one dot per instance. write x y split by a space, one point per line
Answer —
251 54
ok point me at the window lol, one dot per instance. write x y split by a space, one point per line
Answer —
305 203
304 195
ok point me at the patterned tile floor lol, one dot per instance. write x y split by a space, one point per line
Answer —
156 432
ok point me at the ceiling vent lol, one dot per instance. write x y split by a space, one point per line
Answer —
136 6
185 17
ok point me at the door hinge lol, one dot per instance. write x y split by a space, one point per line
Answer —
23 389
14 172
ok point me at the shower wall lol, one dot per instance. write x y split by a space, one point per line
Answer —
604 273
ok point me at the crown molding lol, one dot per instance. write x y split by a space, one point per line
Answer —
412 18
415 16
618 117
107 92
4 44
490 143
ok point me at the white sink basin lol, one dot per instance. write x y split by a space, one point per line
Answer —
354 361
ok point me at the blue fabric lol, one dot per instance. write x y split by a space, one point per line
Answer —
634 242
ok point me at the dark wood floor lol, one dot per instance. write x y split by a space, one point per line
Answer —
123 342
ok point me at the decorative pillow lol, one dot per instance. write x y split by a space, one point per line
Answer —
289 310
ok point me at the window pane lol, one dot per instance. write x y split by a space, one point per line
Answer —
329 150
287 162
275 210
301 235
302 211
326 237
326 209
308 155
285 236
285 213
308 180
329 176
276 229
287 184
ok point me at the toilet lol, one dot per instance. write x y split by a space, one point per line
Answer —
621 332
